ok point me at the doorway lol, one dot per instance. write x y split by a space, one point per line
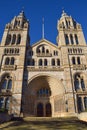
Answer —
40 112
48 110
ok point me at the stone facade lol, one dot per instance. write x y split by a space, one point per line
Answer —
43 79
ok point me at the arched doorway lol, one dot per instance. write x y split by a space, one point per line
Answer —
40 112
48 110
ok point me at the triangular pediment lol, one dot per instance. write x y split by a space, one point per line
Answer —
44 42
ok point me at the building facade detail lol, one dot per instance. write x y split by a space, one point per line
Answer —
43 79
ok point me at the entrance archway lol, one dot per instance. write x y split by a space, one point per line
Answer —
48 110
44 93
40 112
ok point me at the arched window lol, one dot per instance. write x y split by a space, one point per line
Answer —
33 62
18 39
14 39
76 84
7 61
79 103
54 53
66 39
1 102
79 82
7 103
4 84
58 62
8 39
9 86
43 92
47 51
76 39
73 61
78 60
85 102
40 62
45 62
12 61
71 38
53 62
43 49
82 84
66 24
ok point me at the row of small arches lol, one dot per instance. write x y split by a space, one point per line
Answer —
11 51
71 39
13 39
31 62
74 50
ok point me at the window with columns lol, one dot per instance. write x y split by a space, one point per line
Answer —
79 82
43 92
9 61
6 83
5 103
13 39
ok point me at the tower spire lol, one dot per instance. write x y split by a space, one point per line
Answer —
42 28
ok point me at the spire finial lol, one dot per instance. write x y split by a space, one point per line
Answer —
23 9
43 28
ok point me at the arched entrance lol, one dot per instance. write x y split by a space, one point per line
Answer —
40 111
45 93
48 110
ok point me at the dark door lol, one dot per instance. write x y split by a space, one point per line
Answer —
40 110
48 110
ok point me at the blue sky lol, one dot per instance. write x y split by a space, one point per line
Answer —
51 10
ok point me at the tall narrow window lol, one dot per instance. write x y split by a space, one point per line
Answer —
80 106
78 60
66 39
14 39
7 103
4 84
73 61
58 62
8 39
7 61
9 85
85 102
53 62
40 62
82 84
76 39
76 84
43 49
18 39
45 62
71 38
1 102
12 61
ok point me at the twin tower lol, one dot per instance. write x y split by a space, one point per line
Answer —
44 80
